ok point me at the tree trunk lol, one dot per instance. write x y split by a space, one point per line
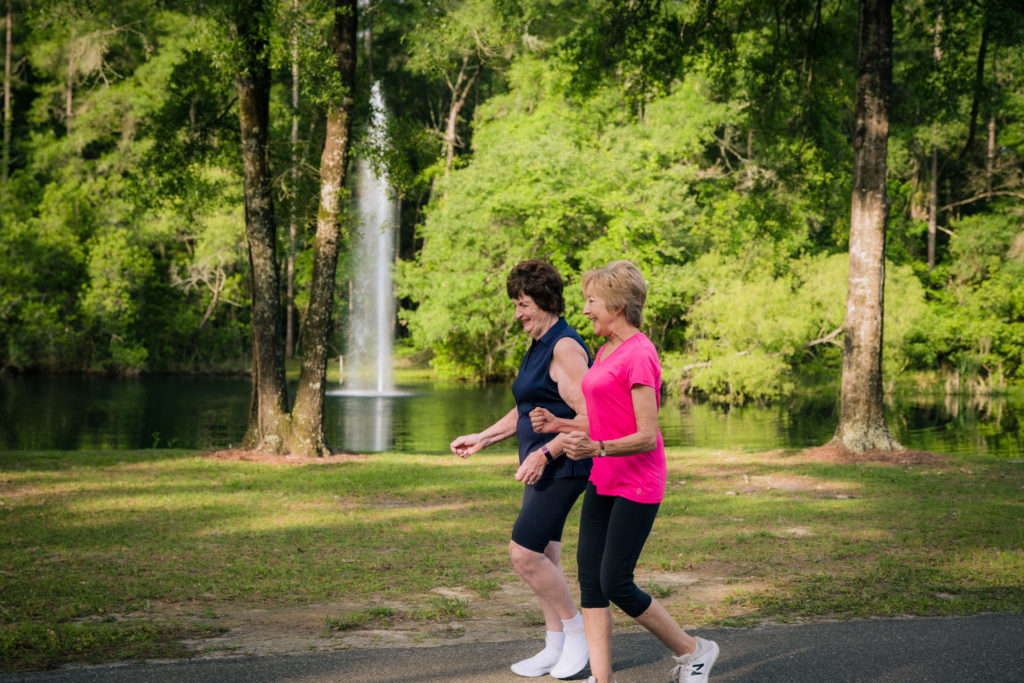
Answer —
979 83
293 228
862 413
460 91
933 206
7 94
990 155
308 414
269 425
69 88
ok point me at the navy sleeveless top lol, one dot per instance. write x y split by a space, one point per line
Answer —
534 387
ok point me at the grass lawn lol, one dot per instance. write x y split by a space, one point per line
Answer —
94 542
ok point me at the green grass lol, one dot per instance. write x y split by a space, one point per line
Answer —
374 616
90 537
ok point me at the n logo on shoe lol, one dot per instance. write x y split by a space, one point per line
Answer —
697 669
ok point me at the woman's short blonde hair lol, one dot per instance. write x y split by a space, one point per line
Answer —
621 287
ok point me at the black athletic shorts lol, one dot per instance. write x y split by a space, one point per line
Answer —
546 504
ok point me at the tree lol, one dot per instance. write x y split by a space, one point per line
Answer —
268 421
8 24
458 41
293 226
862 412
308 413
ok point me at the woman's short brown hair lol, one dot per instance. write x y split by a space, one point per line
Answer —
621 287
541 282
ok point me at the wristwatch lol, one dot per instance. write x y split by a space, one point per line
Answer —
546 452
603 451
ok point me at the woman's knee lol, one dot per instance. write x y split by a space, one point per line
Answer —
625 595
523 559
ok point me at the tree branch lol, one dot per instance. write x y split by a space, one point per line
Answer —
984 195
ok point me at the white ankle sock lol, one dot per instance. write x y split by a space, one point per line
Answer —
542 662
575 654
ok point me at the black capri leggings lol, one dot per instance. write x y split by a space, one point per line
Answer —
613 531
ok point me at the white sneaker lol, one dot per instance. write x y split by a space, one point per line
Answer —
534 667
696 667
574 658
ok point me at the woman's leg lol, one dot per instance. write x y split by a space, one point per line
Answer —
598 622
628 529
663 627
535 551
597 616
543 573
629 525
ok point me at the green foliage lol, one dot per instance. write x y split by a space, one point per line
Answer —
708 142
572 181
975 331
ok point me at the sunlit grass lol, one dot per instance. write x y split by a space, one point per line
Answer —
89 536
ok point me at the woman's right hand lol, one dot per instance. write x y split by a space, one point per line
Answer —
467 444
543 421
579 446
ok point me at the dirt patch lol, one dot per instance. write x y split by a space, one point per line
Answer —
239 455
838 454
509 613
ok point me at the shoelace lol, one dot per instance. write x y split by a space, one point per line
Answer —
680 671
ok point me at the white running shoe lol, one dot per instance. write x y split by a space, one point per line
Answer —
533 667
538 665
696 667
574 658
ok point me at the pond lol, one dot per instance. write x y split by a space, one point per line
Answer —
66 412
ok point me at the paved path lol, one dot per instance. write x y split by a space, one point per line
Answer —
987 648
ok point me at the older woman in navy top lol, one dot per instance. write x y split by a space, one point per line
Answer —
549 377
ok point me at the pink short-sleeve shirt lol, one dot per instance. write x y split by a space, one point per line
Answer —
607 388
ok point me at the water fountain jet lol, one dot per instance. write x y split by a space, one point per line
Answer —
367 364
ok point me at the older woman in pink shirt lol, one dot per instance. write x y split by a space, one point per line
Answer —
627 482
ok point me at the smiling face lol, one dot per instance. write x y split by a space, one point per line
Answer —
536 321
595 308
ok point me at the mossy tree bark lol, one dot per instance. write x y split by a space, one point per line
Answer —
269 422
862 413
308 413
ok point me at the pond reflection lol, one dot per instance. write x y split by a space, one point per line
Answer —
75 412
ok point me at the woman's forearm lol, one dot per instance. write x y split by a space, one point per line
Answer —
500 430
566 425
640 442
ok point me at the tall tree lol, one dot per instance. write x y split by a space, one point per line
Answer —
293 220
862 412
269 425
308 413
457 42
8 24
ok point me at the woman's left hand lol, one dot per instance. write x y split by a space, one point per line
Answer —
531 469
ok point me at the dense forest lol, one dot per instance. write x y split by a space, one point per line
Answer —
709 142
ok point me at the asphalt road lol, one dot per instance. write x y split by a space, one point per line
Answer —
987 648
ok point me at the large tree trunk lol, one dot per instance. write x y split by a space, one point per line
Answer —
308 414
862 413
293 227
269 424
8 24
